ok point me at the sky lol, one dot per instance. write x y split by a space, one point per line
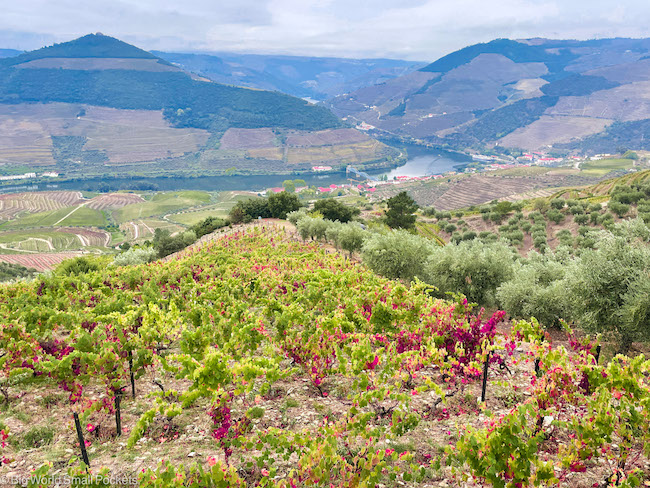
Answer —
419 30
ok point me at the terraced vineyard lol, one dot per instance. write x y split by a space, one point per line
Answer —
13 204
51 222
430 231
467 190
225 201
114 201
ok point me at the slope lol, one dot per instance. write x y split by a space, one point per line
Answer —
301 76
529 94
97 105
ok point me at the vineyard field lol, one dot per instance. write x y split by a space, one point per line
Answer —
13 204
38 261
114 200
258 360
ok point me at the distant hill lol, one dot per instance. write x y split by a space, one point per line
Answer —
7 53
100 70
97 105
316 78
528 94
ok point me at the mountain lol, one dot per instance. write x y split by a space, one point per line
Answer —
97 106
300 76
528 94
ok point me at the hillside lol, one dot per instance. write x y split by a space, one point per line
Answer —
97 105
527 94
7 53
261 361
545 219
300 76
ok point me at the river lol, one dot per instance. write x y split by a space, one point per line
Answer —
421 162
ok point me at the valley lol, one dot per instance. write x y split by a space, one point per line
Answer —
226 269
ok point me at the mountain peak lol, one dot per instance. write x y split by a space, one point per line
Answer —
89 46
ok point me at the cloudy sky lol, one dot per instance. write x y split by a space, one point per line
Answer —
408 29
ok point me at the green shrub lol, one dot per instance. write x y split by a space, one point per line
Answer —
595 207
333 210
207 226
581 219
296 215
619 208
539 242
538 228
606 220
77 266
536 290
165 244
397 254
255 413
473 268
565 237
555 216
351 237
515 236
496 217
135 256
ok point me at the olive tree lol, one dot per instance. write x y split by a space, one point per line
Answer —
538 289
474 268
351 237
607 288
397 254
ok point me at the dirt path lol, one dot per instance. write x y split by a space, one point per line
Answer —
4 246
147 227
83 240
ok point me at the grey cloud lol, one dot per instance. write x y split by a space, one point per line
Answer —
412 29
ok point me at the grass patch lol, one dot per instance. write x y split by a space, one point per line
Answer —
161 204
221 207
291 403
81 217
604 166
191 218
37 437
526 171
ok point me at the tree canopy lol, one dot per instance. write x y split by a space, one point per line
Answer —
401 209
332 209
